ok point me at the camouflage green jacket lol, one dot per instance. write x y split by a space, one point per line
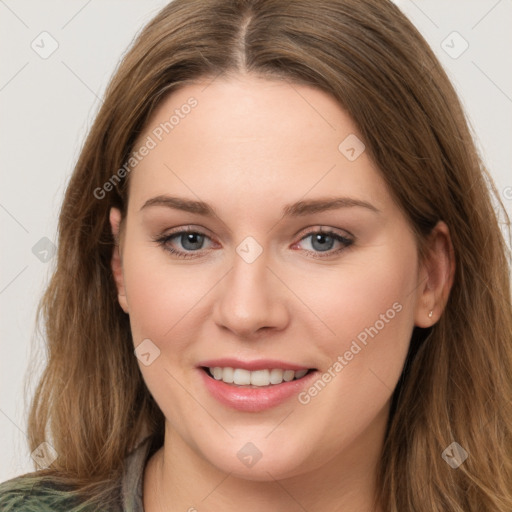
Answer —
25 495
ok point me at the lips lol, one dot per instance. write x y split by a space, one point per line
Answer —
254 386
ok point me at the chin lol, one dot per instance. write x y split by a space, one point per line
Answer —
262 464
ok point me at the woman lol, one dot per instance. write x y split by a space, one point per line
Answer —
281 283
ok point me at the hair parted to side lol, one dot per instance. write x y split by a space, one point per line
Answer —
92 404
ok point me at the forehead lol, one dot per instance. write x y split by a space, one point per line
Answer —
249 136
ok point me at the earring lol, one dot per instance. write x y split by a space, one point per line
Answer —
430 314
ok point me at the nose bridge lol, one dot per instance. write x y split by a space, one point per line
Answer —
250 297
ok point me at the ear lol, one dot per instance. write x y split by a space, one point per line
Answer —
116 261
435 276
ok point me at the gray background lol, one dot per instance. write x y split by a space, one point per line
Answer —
48 104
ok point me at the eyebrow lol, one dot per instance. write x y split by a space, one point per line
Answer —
297 209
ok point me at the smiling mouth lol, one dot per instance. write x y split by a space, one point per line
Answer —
240 377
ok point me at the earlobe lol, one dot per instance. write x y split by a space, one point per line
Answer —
435 277
116 261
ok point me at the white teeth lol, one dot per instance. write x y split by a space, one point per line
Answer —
227 375
241 377
260 378
300 373
288 375
276 376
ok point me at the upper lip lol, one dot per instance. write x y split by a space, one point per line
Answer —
256 364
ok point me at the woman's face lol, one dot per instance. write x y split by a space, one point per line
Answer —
254 170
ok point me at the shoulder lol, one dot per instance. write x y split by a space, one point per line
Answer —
34 494
38 492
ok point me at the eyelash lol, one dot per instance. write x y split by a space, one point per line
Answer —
165 239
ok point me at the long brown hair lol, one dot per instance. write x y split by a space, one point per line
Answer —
91 403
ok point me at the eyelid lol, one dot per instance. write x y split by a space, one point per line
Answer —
184 229
189 228
320 228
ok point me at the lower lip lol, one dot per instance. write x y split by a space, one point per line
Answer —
254 399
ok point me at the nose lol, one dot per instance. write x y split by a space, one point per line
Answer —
251 300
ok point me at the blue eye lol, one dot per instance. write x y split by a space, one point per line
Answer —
192 242
189 239
323 242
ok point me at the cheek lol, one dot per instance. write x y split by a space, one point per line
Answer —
369 307
160 293
367 299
